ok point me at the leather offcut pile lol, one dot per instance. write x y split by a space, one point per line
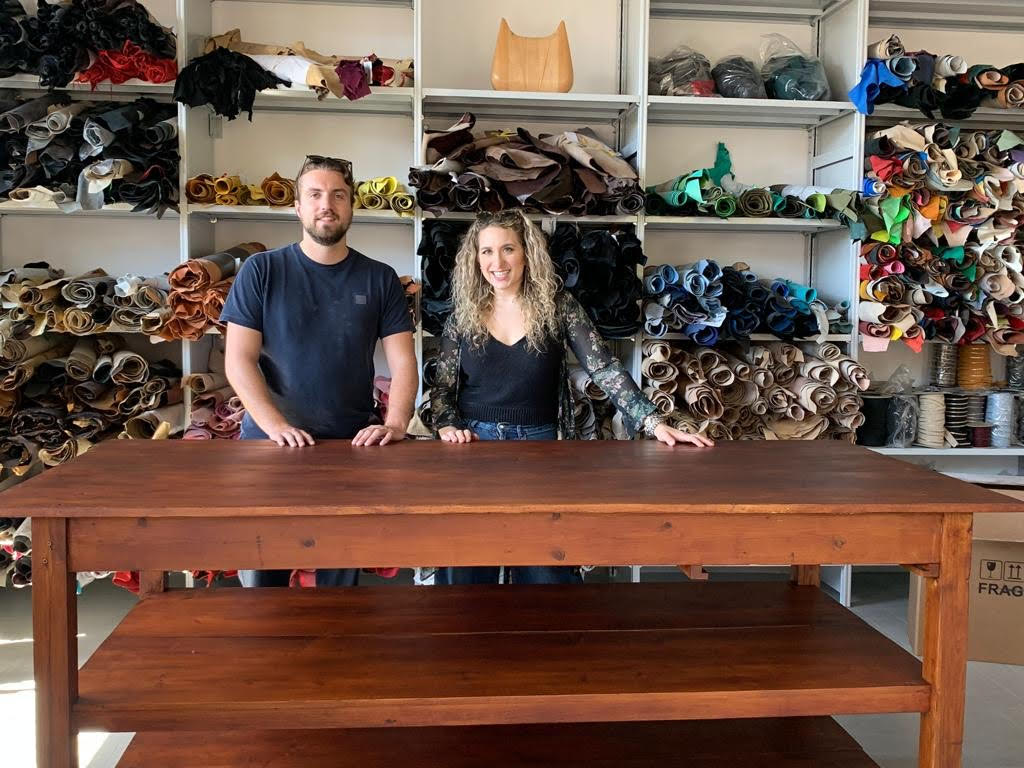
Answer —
772 392
60 395
572 172
216 411
716 192
598 267
424 414
81 156
15 552
944 258
378 194
381 396
130 62
37 300
437 249
384 193
231 71
274 190
710 304
936 85
97 39
199 289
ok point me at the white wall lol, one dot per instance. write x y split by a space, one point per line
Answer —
328 29
143 245
278 141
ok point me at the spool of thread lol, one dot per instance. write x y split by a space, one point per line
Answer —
956 419
1001 415
974 367
931 422
976 408
1015 373
981 435
944 365
874 431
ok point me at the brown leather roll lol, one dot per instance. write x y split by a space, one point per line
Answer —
200 189
278 190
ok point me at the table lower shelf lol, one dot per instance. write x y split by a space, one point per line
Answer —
810 742
424 656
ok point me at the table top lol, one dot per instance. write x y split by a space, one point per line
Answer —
227 478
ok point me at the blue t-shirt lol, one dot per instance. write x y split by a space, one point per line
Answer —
320 326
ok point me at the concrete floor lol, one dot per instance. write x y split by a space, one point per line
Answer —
994 735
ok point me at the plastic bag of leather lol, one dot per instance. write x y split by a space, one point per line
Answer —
789 73
684 72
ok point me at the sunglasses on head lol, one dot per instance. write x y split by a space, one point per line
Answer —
344 167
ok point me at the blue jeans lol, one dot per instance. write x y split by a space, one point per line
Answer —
526 574
325 577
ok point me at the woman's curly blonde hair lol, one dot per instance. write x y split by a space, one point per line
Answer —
473 296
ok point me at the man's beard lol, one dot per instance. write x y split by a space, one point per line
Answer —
327 237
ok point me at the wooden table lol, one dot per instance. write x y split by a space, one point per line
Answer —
620 653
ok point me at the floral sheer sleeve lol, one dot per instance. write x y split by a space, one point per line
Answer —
604 368
444 395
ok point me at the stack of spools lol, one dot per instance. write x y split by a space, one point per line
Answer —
1000 413
1015 373
944 365
956 419
974 367
931 424
979 431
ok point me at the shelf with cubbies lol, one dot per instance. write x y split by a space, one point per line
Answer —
112 238
985 32
813 142
808 143
378 133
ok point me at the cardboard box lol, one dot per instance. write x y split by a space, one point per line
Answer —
996 613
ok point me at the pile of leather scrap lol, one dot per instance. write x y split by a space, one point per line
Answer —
231 71
774 392
943 259
572 172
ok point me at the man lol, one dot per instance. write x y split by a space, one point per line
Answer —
303 322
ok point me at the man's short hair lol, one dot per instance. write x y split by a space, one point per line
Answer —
321 163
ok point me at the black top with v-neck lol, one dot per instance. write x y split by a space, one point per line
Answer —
510 383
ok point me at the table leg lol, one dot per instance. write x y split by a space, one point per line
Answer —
151 583
55 629
695 572
806 575
945 647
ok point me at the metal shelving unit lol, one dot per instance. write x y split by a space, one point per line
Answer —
786 11
700 110
961 15
740 224
965 452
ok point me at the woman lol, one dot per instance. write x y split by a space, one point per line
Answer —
502 373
